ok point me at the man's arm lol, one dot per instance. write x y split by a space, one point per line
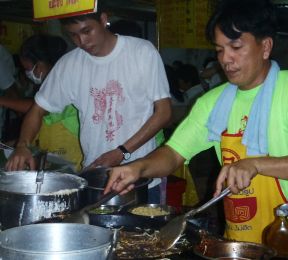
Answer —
160 118
238 175
22 156
161 162
21 105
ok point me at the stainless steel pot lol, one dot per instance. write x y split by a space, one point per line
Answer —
97 179
61 241
20 205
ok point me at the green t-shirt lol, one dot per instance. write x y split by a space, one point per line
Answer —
191 136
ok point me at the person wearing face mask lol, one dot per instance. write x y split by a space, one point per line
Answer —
31 75
59 131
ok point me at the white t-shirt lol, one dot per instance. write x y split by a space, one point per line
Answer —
114 94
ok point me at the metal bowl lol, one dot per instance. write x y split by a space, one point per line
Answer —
227 250
153 211
62 241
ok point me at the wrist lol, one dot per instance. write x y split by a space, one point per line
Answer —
125 153
23 144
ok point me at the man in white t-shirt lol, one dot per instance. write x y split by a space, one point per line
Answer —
7 80
118 84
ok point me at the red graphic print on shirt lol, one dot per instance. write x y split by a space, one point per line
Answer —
106 102
240 210
244 121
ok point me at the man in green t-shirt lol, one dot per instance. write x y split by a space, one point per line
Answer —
245 120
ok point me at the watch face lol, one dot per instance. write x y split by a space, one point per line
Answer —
126 156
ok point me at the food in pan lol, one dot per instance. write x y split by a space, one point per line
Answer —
151 210
144 244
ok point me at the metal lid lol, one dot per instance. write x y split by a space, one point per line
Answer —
282 211
24 182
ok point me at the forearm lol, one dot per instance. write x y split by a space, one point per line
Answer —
30 126
160 163
160 119
272 166
16 104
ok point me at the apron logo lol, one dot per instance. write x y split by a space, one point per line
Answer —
240 210
229 156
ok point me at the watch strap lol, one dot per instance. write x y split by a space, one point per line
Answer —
125 152
123 149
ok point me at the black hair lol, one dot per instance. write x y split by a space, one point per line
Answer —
45 48
233 17
80 18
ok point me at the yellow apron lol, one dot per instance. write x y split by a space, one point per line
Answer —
250 211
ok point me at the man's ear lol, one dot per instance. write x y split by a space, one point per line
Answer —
267 47
104 19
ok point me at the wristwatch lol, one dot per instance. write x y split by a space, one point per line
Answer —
125 152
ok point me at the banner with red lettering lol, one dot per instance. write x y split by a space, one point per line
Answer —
51 9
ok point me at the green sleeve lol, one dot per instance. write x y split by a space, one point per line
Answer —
191 136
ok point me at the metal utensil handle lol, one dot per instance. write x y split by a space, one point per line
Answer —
209 202
102 200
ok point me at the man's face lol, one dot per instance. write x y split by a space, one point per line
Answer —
88 35
243 60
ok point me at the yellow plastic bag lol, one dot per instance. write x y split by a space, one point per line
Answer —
57 139
190 196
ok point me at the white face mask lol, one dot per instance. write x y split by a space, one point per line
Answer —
30 75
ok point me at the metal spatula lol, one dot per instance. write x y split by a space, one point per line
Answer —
81 216
171 232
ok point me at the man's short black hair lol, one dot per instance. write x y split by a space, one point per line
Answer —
234 17
80 18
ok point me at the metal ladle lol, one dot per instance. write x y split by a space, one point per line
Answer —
171 232
40 172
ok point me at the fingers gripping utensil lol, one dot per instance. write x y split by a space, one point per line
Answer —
171 232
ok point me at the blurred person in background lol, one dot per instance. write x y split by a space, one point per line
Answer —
8 86
59 133
212 74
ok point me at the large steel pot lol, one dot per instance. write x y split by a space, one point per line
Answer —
20 205
97 179
61 241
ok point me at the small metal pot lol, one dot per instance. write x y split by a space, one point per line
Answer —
97 179
61 241
21 205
